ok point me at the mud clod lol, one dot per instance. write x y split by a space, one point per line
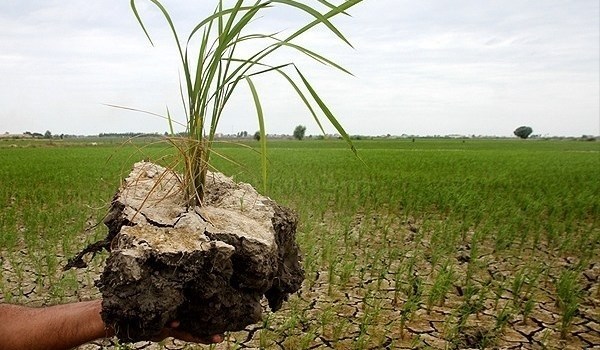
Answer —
206 267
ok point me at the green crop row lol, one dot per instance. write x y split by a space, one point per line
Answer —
446 231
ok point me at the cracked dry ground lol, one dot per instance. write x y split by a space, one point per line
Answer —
360 287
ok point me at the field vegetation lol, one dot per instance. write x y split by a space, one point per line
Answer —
424 244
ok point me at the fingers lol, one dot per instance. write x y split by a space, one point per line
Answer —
172 331
217 338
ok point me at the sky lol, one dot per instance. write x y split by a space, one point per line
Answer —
418 68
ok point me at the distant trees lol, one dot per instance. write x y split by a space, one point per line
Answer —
35 135
299 132
523 131
47 134
257 136
127 134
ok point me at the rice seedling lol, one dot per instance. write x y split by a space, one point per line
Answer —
441 286
517 286
523 289
231 343
307 339
265 333
406 312
413 292
398 282
527 307
213 75
473 299
331 275
347 270
568 298
371 308
503 318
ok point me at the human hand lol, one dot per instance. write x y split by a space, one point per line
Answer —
172 331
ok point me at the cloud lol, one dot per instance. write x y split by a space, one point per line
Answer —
424 67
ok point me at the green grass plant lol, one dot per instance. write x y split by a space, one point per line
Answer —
503 318
568 298
212 75
441 286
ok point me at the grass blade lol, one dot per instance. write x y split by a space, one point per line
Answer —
320 18
338 9
170 120
303 98
145 112
263 136
327 112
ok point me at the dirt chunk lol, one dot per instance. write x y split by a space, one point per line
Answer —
207 267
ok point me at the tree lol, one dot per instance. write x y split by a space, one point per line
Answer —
523 131
257 136
299 132
47 134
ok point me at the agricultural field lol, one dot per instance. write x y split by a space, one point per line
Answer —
431 244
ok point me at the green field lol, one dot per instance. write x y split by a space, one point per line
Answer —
424 244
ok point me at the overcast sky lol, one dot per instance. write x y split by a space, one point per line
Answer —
420 67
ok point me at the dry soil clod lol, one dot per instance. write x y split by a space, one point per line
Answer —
206 267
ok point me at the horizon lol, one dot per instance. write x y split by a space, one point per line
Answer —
39 135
